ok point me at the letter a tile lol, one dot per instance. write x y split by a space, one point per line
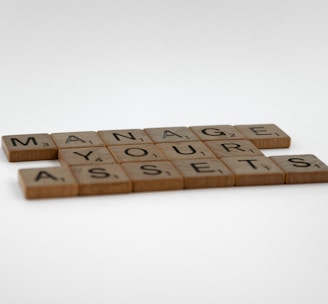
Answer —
48 182
171 134
28 147
301 169
77 139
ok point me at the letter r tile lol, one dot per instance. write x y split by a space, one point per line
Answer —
28 147
231 148
300 169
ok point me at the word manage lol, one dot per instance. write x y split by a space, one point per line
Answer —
153 159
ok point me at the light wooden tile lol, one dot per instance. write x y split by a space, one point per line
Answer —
101 179
48 182
204 173
85 156
256 170
217 132
153 176
265 136
299 169
29 147
171 134
133 153
124 137
77 139
186 150
231 148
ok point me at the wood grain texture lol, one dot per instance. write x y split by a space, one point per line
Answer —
300 169
217 132
171 134
255 170
265 136
85 156
133 153
77 139
204 173
29 147
153 176
124 137
101 179
48 182
186 150
231 148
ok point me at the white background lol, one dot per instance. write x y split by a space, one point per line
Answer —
92 65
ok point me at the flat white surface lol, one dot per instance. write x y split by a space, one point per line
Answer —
93 65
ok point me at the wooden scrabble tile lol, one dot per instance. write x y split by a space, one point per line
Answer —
124 137
185 150
85 156
102 179
77 139
265 136
133 153
204 173
217 132
231 148
28 147
301 169
153 176
254 170
171 134
48 182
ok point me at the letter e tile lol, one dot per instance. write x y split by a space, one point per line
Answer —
204 173
266 136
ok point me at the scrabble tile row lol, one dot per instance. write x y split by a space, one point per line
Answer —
177 174
153 159
28 147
